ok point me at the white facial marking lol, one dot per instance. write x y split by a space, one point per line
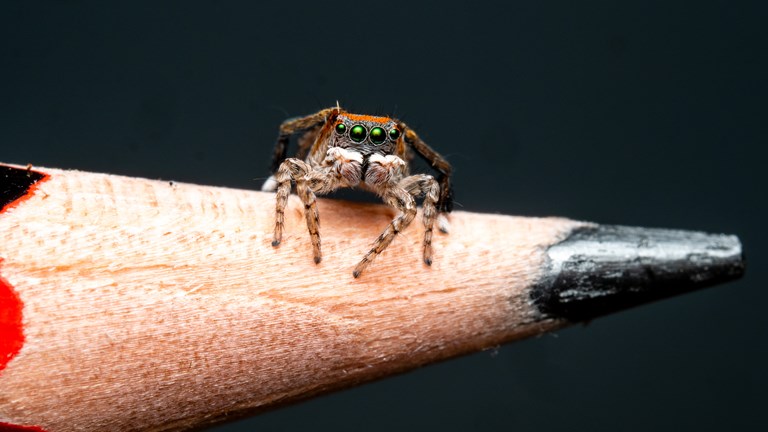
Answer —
346 163
388 161
338 154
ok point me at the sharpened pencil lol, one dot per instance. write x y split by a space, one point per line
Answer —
134 304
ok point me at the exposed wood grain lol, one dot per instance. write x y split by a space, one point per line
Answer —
158 306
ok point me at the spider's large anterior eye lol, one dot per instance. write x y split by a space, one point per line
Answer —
341 128
357 133
394 134
378 135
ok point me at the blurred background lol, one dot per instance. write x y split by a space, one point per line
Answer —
648 113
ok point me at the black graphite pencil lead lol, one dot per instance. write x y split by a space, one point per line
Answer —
598 270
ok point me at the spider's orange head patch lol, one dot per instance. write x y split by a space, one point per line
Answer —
367 118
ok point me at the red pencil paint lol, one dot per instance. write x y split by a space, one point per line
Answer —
19 184
11 332
7 427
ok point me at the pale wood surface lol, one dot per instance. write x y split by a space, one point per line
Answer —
155 306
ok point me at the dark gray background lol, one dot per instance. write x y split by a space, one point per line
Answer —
647 113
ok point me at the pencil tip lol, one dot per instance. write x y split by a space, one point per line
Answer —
598 270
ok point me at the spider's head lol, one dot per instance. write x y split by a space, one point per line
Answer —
366 134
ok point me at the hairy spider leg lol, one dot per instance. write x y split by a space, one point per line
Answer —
309 181
437 162
423 184
294 126
297 170
402 197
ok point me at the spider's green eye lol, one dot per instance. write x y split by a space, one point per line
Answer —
378 135
394 134
341 128
357 133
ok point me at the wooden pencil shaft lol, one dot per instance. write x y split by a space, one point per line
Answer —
150 305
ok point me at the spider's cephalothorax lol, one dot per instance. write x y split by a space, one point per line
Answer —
338 149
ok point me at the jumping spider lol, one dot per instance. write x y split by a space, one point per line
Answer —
338 149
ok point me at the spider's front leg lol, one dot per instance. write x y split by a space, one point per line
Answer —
399 198
306 180
402 196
